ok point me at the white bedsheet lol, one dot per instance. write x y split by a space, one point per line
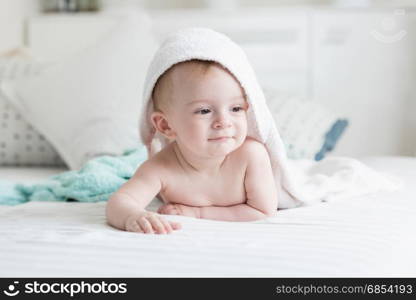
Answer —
368 236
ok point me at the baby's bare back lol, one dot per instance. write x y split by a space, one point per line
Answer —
190 188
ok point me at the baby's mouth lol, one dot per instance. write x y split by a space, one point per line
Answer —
220 139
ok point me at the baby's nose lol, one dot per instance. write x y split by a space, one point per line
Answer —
222 122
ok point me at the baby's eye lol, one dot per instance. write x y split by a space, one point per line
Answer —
203 111
237 109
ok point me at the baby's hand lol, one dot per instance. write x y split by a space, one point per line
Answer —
179 209
149 222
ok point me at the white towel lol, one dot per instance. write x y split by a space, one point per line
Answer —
293 186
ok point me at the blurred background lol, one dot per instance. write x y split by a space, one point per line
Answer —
355 57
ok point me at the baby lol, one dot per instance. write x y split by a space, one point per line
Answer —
210 169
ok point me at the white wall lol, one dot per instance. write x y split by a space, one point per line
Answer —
369 81
12 16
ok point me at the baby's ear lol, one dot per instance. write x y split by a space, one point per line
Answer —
160 122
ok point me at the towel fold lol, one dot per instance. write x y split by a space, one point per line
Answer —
339 178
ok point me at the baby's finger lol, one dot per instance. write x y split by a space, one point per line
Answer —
165 223
171 210
165 210
175 225
157 224
134 227
161 209
145 224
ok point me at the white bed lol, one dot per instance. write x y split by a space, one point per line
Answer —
368 236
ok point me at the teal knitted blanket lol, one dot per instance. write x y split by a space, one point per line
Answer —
94 182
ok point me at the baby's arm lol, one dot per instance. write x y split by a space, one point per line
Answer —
239 212
260 188
125 209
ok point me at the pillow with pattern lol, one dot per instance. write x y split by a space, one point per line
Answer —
20 143
307 128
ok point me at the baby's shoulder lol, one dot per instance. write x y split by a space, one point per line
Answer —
160 163
252 148
154 165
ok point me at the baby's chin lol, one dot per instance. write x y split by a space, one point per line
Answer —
212 148
222 147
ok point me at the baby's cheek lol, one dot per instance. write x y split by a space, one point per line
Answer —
193 132
197 139
243 127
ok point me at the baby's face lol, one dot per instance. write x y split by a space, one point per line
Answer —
208 115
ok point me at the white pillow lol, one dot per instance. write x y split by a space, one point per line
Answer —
88 105
20 143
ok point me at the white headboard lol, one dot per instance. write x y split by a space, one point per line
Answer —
276 44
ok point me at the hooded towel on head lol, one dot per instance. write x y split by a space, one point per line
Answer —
207 44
